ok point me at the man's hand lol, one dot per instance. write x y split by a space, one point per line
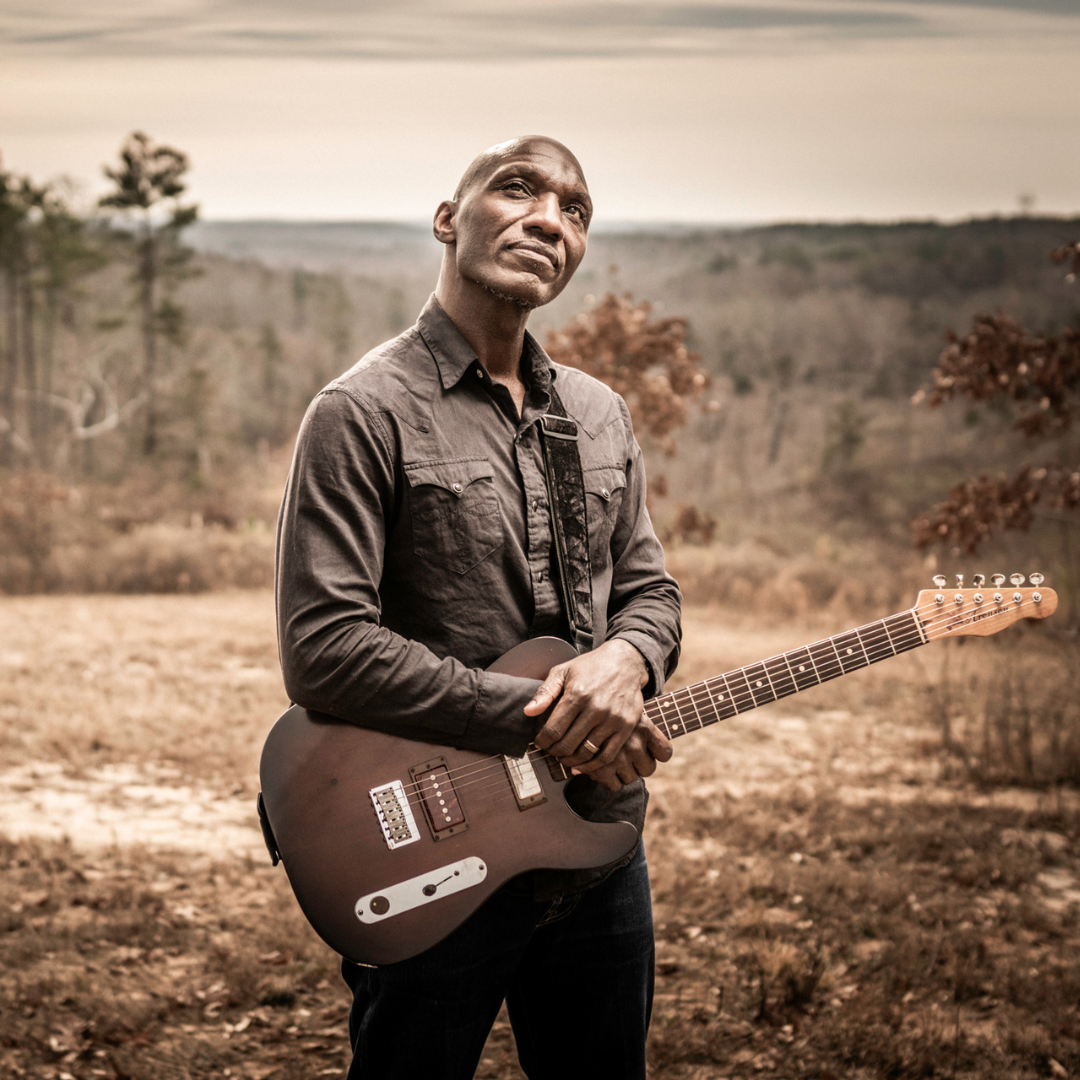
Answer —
597 700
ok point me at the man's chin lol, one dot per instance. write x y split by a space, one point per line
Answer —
527 292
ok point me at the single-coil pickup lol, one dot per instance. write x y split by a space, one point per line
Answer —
523 779
394 814
440 800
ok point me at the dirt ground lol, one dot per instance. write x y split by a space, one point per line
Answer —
828 902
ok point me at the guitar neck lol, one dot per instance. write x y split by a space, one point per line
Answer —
694 707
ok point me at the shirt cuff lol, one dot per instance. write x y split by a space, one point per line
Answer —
653 657
498 724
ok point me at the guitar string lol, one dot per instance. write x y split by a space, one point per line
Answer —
702 693
483 769
479 769
879 650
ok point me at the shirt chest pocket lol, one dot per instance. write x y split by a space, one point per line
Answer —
455 512
604 489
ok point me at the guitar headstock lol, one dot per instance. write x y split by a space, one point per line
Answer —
984 610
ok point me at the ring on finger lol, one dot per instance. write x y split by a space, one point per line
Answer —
591 747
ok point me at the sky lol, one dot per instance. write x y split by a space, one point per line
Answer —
679 110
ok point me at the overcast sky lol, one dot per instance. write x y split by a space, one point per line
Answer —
679 111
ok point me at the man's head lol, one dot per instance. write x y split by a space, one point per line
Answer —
518 223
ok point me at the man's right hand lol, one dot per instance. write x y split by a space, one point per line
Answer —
637 757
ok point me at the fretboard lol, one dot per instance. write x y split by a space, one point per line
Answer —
694 707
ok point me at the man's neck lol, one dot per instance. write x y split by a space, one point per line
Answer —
493 325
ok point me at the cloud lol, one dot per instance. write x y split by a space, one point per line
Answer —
468 29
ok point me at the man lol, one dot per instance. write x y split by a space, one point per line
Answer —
415 547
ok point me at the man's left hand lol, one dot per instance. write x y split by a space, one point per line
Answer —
597 699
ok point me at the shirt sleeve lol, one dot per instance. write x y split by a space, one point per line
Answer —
645 603
336 657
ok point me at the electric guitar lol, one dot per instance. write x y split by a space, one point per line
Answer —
390 843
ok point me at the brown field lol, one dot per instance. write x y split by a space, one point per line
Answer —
834 896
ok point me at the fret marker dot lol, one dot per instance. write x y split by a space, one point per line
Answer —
758 683
802 667
721 697
850 651
674 727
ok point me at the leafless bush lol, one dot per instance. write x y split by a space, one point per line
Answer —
1011 714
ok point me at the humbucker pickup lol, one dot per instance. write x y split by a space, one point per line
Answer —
439 799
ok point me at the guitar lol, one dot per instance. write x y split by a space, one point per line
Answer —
390 844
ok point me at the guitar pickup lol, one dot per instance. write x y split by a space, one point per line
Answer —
525 783
444 811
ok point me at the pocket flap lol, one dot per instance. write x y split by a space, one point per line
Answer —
453 476
604 482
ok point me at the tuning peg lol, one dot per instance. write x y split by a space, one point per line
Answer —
998 580
1036 580
940 580
959 581
979 580
1017 579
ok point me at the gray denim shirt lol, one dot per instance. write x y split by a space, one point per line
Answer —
415 548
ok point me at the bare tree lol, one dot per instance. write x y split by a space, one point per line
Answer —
148 186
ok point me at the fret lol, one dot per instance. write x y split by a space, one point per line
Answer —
849 651
826 659
757 678
727 709
876 642
742 697
664 722
802 668
783 682
714 708
693 703
906 631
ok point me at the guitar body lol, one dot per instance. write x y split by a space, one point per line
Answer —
329 795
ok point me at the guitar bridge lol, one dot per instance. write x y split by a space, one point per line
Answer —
394 814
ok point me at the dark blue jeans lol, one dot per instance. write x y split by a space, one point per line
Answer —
576 973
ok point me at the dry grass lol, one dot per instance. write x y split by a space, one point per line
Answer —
827 904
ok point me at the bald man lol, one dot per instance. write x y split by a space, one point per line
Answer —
415 547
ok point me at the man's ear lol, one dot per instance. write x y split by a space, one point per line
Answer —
443 225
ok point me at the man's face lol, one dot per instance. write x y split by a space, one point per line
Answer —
520 228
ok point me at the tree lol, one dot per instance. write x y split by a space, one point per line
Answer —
1038 377
645 360
148 186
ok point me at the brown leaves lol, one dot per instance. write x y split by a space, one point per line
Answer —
1070 254
976 508
998 356
646 361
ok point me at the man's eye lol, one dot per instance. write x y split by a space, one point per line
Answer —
578 211
516 186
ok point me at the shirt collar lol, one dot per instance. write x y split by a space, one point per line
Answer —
454 356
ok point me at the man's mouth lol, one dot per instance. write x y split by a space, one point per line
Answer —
542 251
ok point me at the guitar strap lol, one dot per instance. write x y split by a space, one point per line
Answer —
566 497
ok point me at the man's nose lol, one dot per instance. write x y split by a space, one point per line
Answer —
547 215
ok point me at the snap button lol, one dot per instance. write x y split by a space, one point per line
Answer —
457 488
605 493
479 373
